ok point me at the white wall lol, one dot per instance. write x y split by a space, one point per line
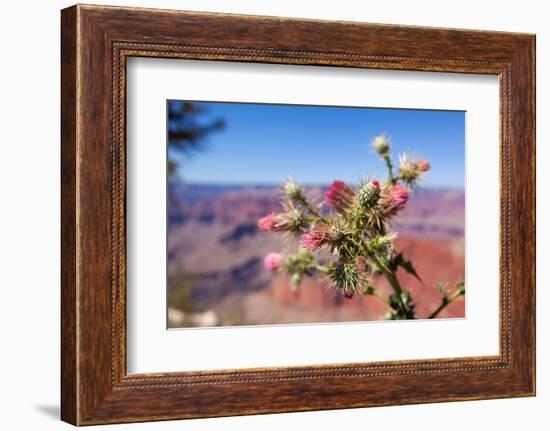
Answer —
29 214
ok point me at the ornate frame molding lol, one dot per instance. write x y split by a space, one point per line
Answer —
96 41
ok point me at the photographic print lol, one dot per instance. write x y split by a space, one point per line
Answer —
296 214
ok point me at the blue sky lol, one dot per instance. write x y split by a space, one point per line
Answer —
264 144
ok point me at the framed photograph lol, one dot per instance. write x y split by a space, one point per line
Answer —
264 215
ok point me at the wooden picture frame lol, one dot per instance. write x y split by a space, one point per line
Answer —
95 43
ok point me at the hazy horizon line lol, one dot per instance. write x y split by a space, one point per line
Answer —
279 184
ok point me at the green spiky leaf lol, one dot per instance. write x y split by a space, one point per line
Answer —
400 261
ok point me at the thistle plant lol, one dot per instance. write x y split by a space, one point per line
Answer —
347 238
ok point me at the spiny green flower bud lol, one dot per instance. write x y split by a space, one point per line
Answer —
293 190
298 264
408 171
292 220
381 144
369 193
346 279
296 220
382 243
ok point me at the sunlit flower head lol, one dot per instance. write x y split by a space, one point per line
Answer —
381 145
292 189
408 170
292 220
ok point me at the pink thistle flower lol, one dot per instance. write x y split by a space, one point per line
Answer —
423 165
268 223
312 240
292 221
272 261
339 196
320 235
399 195
375 184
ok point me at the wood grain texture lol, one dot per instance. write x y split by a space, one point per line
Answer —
96 41
69 397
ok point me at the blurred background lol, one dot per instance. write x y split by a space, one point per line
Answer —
226 162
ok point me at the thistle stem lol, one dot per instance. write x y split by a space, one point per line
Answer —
321 268
380 297
389 165
394 282
303 201
313 219
392 278
445 302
